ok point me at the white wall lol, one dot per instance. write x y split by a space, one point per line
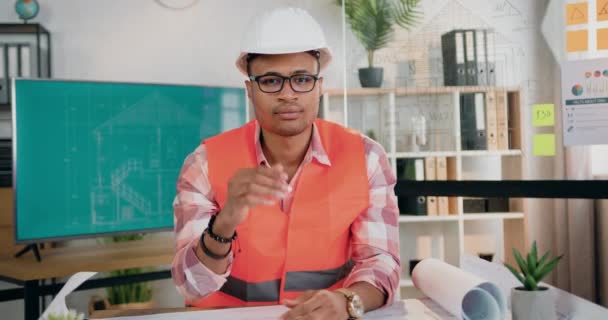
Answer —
139 40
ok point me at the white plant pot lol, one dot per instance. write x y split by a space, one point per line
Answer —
532 305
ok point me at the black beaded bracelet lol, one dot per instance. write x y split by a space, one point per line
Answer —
210 254
215 236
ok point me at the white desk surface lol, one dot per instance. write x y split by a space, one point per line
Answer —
421 309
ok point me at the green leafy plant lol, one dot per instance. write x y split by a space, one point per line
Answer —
373 21
532 270
132 292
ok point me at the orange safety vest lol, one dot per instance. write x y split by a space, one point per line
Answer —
283 254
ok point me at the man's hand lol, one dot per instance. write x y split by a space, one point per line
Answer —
317 305
249 188
246 189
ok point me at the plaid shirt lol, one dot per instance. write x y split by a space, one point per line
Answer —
375 233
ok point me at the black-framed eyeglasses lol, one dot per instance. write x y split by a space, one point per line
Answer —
271 83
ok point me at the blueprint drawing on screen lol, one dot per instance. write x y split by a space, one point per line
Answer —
112 152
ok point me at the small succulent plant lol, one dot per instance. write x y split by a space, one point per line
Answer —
532 270
71 315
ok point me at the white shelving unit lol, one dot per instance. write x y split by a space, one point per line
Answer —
446 237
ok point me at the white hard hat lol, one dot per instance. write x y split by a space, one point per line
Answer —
283 30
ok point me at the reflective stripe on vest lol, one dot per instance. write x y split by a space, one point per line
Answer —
268 291
316 280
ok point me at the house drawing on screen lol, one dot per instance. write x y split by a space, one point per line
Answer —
138 160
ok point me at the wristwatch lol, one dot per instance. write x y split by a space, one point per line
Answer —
354 305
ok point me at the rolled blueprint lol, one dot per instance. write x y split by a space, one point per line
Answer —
459 292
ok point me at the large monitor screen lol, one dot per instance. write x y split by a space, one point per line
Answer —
99 158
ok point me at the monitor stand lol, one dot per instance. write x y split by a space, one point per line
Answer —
33 247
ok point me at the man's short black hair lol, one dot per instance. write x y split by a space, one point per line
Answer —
251 56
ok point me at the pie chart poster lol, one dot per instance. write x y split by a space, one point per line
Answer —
585 102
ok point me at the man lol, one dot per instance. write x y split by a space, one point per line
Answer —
288 208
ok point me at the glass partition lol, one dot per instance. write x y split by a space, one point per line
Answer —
472 91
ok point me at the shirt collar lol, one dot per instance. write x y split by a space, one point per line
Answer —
315 149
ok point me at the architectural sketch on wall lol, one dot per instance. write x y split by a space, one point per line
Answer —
509 10
415 58
506 8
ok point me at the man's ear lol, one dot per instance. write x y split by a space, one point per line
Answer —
320 109
320 84
248 87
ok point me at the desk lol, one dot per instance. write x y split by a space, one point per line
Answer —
63 262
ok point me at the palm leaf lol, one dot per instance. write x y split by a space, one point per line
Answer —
372 21
406 15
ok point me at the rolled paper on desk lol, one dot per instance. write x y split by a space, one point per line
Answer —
459 292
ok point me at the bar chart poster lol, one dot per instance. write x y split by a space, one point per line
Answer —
585 102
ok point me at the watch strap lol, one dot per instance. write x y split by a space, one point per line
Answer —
347 293
349 300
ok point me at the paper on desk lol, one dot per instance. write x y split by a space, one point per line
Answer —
58 305
494 272
459 292
400 310
249 313
410 309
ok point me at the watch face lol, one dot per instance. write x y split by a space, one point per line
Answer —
357 307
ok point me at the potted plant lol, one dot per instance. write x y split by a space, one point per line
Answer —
372 22
532 301
127 296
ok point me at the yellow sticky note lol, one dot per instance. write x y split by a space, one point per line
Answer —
544 144
602 39
543 115
576 13
602 10
576 41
